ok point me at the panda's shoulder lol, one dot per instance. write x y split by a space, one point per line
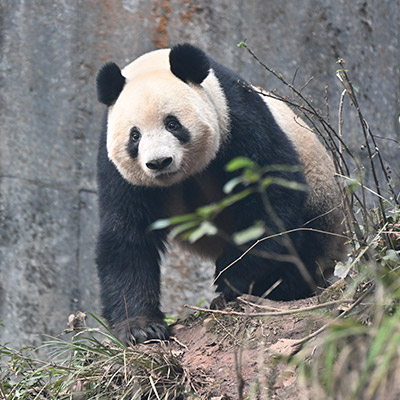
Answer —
228 79
241 98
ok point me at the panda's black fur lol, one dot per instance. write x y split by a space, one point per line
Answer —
128 253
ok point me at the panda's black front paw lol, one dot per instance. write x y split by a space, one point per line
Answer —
219 303
139 329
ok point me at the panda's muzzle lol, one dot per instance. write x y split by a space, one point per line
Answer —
159 164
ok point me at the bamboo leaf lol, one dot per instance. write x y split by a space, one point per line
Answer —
293 185
178 230
205 229
249 234
160 224
235 198
230 185
240 163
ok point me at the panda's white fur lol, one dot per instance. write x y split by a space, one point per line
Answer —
150 91
317 165
318 169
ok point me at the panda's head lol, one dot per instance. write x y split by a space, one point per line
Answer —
167 116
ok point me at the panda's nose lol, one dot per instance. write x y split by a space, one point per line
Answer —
159 163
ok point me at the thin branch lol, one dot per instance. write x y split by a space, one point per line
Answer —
327 325
345 80
327 104
271 237
3 393
294 75
238 370
268 313
301 309
367 188
340 126
306 84
388 139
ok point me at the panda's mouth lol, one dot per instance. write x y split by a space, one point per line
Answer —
166 176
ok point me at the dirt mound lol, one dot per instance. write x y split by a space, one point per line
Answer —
233 352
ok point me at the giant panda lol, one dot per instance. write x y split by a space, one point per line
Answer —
175 118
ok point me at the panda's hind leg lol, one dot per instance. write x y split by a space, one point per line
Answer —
237 274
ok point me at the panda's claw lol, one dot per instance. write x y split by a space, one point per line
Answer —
140 329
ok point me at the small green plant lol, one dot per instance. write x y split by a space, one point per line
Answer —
250 178
358 356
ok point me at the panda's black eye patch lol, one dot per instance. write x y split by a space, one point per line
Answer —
133 143
134 135
173 125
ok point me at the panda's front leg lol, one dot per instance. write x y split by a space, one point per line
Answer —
129 272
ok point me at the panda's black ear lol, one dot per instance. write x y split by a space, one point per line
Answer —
189 63
110 82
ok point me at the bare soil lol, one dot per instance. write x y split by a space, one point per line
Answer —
232 356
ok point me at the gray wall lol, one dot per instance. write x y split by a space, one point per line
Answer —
50 121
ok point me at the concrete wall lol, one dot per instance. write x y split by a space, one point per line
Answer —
50 120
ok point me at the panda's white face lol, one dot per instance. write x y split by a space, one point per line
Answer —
162 130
